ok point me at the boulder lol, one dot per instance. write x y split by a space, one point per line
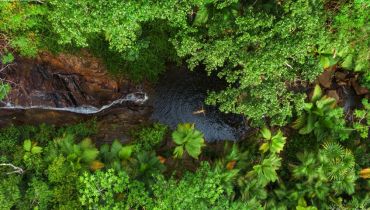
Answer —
326 78
358 88
61 81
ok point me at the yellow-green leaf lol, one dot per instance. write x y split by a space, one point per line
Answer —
264 147
266 133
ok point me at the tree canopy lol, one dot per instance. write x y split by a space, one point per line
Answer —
262 49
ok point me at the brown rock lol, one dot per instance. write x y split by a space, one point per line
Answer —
341 83
325 79
340 76
89 67
359 89
333 94
63 81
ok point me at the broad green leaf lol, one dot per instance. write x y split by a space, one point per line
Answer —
302 202
327 61
266 133
307 106
104 149
27 144
325 102
86 143
348 62
89 155
266 171
36 150
187 136
360 66
309 125
264 147
194 146
299 122
116 147
278 142
4 90
193 150
125 152
178 137
178 152
302 205
317 93
324 62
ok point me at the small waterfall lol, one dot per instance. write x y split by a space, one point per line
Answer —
136 97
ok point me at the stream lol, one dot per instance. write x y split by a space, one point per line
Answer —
136 98
66 90
65 94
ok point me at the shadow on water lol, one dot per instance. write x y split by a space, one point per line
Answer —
49 95
179 97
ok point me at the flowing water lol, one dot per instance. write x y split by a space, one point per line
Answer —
137 98
44 95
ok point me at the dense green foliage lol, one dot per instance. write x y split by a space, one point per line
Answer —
188 139
362 122
267 52
4 90
349 43
262 49
148 138
64 173
322 118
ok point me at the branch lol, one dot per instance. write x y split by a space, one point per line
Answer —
16 169
287 64
6 66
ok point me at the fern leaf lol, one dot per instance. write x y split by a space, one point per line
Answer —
310 125
299 122
317 93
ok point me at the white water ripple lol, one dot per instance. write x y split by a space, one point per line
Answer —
136 97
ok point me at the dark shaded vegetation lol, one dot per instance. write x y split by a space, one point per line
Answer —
306 153
259 48
61 168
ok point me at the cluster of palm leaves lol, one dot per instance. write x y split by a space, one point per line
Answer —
321 117
188 139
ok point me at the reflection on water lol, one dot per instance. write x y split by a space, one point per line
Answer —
179 97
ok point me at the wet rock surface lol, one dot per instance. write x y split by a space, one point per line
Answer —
47 82
325 79
344 87
67 89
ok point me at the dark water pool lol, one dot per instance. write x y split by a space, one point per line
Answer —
179 97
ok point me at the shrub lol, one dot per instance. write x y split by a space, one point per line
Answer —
99 190
9 139
349 42
322 118
148 138
362 119
188 139
330 170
